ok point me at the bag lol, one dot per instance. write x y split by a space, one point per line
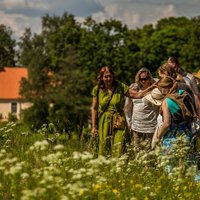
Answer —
186 104
118 121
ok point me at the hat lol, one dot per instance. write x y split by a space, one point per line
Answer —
155 97
197 75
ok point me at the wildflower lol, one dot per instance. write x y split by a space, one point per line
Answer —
115 191
81 192
64 198
138 186
59 147
24 175
97 186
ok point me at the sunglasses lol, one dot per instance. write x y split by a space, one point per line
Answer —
144 79
107 76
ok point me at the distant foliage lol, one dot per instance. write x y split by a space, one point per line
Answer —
64 58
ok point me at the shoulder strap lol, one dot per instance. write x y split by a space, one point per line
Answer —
100 114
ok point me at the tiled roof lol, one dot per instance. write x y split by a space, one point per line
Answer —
10 82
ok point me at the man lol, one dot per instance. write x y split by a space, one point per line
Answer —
188 78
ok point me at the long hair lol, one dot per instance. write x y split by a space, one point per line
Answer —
101 73
137 76
167 81
167 69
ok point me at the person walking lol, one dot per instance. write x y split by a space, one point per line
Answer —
177 112
141 114
108 118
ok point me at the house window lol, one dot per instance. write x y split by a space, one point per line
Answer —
14 107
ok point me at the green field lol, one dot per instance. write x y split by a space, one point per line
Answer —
49 165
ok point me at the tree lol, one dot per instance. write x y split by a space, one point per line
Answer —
55 78
7 45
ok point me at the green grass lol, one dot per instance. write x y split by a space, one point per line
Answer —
47 165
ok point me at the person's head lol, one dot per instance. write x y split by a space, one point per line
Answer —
144 78
167 70
173 61
106 77
167 85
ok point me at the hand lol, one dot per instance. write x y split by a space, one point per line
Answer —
94 131
155 142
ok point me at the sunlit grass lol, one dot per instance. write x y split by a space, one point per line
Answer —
46 165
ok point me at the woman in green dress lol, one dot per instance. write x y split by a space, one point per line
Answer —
107 105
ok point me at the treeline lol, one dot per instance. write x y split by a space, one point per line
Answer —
63 60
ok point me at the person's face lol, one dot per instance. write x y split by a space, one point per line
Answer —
173 65
164 90
107 78
144 79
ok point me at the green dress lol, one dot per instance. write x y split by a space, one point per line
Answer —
111 141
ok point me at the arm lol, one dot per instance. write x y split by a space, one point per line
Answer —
138 95
128 110
195 87
166 120
197 105
94 114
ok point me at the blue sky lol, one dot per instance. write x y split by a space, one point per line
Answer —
19 14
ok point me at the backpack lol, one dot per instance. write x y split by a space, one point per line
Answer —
186 103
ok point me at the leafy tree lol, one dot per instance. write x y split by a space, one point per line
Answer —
55 78
7 45
63 60
35 88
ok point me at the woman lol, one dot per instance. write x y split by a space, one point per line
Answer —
175 122
107 104
142 114
167 70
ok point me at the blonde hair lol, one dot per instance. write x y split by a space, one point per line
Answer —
167 81
167 69
137 76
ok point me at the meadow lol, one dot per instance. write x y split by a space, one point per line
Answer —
48 165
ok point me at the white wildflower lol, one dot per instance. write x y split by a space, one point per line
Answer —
59 147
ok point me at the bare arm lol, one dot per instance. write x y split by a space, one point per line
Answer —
167 120
138 95
128 108
197 105
94 114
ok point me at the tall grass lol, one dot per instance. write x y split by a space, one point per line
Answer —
47 165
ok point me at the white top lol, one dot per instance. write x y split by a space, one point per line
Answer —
141 115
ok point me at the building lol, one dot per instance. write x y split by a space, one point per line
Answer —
10 98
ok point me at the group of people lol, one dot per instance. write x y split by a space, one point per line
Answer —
151 109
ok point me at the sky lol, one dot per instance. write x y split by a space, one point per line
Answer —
21 14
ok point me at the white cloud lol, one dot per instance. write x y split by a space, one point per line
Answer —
18 23
22 4
135 15
19 14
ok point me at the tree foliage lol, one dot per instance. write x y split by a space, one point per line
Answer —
63 60
7 45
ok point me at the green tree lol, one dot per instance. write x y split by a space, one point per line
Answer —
7 45
55 78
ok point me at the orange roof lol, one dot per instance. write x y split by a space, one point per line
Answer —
10 82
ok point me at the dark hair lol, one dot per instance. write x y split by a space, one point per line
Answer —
174 60
101 73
